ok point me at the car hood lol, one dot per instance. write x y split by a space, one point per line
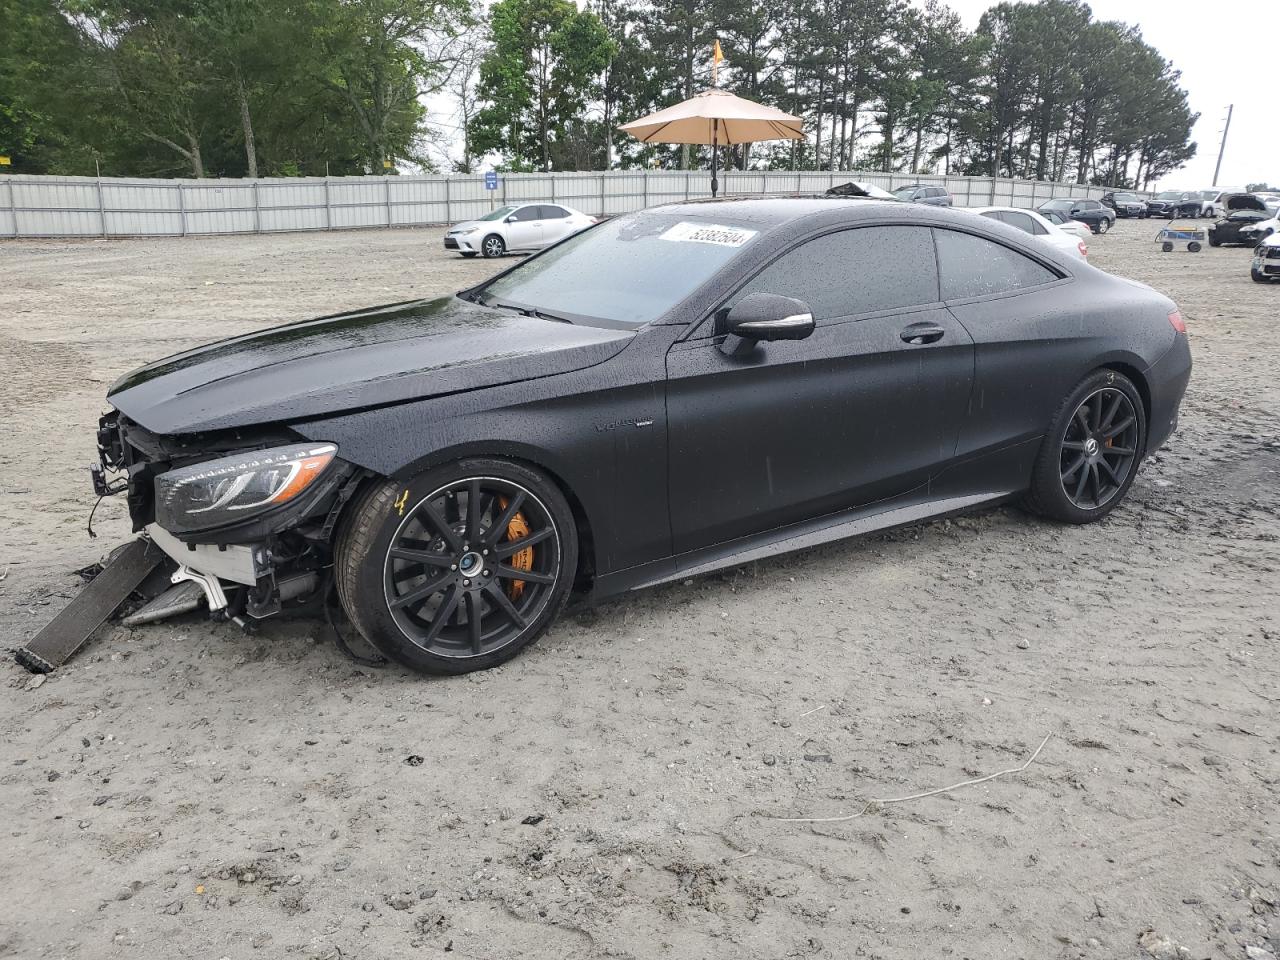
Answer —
1245 201
464 225
350 361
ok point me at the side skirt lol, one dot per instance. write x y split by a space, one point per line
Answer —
840 526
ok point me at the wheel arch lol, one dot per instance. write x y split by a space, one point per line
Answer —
1137 378
526 455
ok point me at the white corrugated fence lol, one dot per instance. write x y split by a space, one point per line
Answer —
115 207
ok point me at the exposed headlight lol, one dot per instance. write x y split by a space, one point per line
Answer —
228 489
463 233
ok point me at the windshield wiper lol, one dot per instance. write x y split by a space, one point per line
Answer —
525 311
543 315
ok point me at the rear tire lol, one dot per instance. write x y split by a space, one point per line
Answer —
1091 453
437 584
1167 246
1104 225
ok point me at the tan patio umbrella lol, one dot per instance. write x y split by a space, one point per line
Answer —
715 117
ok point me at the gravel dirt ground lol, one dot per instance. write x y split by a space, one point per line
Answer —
186 790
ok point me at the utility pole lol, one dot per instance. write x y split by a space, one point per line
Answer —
1223 146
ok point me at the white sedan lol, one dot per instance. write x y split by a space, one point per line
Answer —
1063 237
518 226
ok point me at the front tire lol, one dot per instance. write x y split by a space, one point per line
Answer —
493 246
460 568
1090 455
1258 276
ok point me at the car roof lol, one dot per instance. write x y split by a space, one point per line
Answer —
767 212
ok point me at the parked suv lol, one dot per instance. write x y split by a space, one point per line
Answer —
1172 204
919 193
1099 218
1125 204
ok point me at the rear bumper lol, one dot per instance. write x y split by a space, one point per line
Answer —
1167 381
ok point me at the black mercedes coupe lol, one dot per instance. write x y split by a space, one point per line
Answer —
668 393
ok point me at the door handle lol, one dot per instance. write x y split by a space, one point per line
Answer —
921 333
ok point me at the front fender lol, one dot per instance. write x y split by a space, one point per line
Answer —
599 433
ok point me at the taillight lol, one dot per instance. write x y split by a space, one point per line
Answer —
1175 318
1084 251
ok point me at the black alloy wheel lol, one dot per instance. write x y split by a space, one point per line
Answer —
459 568
471 566
1091 452
1099 450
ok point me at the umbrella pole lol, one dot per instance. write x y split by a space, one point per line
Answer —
715 150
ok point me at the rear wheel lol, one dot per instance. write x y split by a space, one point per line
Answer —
493 246
1104 225
1091 453
1167 246
459 568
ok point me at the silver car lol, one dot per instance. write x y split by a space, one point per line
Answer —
518 226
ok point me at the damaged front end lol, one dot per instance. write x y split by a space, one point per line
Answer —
247 515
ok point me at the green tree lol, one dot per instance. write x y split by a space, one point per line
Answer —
545 63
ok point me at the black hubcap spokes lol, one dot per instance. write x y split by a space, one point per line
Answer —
1099 449
459 578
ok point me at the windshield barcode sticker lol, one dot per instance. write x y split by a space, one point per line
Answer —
718 234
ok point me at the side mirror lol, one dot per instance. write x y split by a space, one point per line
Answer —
510 219
1075 210
767 316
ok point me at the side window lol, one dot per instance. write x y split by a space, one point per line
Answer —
1021 221
553 213
525 214
855 271
972 266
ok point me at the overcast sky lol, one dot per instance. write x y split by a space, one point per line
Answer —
1218 68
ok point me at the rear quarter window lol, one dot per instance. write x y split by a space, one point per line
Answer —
972 266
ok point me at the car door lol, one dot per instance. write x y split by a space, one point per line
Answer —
1028 349
864 408
557 223
524 228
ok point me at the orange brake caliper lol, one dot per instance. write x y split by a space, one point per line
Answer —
523 560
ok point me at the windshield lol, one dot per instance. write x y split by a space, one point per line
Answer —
498 214
905 193
629 270
1169 195
1128 197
